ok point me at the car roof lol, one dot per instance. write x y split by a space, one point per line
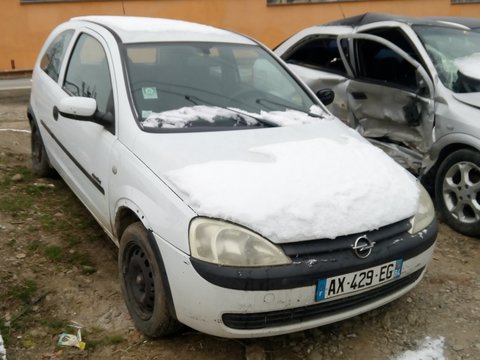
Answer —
131 29
471 23
371 17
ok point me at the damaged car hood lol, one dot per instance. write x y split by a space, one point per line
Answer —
286 183
472 99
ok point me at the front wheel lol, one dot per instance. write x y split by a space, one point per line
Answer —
142 285
457 191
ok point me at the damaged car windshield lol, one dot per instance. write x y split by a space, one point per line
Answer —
455 54
213 86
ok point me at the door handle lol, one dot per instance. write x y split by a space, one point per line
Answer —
55 112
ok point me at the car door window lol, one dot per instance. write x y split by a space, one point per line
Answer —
88 73
379 63
317 52
397 37
52 59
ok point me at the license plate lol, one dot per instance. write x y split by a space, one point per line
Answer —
359 280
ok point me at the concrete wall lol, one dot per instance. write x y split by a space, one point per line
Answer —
23 27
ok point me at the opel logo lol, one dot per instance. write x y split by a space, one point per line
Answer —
363 247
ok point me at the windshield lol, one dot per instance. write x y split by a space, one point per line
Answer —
455 53
216 86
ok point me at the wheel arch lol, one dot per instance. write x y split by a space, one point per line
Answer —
30 115
457 198
125 214
428 179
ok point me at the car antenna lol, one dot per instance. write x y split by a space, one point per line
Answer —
341 10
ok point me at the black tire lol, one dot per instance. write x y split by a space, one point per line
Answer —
457 191
40 163
142 284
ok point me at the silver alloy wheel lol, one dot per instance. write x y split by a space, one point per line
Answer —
461 191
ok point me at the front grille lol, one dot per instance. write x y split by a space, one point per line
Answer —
343 244
290 316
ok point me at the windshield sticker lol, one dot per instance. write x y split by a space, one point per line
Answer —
149 93
146 113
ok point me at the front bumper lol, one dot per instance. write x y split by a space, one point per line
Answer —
235 302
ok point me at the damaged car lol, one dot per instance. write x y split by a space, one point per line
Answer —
240 206
410 86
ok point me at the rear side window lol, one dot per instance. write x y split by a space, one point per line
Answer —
317 52
88 74
53 58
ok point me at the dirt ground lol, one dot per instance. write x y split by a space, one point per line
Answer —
57 266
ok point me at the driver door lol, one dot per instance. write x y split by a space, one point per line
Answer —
389 97
84 147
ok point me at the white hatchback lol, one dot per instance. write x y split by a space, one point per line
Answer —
240 205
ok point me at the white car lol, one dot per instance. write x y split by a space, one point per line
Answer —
241 207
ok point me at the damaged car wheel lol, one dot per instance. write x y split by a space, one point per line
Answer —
142 285
457 191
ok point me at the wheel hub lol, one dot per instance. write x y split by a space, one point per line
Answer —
461 192
139 282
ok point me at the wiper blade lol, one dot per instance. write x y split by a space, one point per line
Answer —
288 107
258 119
198 101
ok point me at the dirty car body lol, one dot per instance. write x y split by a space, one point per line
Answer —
411 86
240 205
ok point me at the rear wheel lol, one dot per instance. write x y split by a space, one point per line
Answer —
457 191
142 285
40 163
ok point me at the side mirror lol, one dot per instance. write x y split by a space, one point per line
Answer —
83 109
77 108
326 96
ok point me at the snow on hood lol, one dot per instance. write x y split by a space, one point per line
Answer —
299 190
184 117
472 99
469 65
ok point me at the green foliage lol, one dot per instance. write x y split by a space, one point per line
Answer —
54 253
24 292
5 332
51 224
104 341
56 325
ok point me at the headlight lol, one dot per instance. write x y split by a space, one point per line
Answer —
223 243
425 212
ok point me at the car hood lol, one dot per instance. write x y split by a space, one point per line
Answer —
472 99
286 183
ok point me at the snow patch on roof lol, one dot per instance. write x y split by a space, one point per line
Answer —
310 189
